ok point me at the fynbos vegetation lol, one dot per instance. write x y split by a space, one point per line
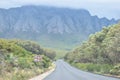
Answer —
101 53
20 60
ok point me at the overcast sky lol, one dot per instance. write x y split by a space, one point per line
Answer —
101 8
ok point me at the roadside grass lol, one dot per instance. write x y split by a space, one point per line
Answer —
95 68
21 74
24 74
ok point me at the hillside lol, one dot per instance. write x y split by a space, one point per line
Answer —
51 27
100 53
19 59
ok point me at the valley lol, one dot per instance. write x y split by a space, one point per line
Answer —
35 39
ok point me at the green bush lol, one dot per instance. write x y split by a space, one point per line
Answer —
17 60
97 68
115 70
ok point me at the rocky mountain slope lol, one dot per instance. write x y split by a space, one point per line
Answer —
50 25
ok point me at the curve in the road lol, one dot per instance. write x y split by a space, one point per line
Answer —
64 71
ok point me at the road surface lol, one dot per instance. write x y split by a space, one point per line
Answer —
64 71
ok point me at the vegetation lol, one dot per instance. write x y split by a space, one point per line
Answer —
61 43
35 48
101 48
97 68
20 60
50 53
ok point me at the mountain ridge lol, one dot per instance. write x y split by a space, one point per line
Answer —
32 22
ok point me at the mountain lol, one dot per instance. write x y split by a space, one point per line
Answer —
52 27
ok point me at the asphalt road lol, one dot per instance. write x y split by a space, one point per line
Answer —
64 71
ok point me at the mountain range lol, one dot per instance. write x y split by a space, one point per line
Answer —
50 26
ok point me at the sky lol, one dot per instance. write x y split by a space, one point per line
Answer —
101 8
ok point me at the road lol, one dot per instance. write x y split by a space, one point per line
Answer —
64 71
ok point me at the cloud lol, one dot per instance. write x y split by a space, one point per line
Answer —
108 8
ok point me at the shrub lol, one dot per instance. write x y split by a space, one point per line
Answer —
97 68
